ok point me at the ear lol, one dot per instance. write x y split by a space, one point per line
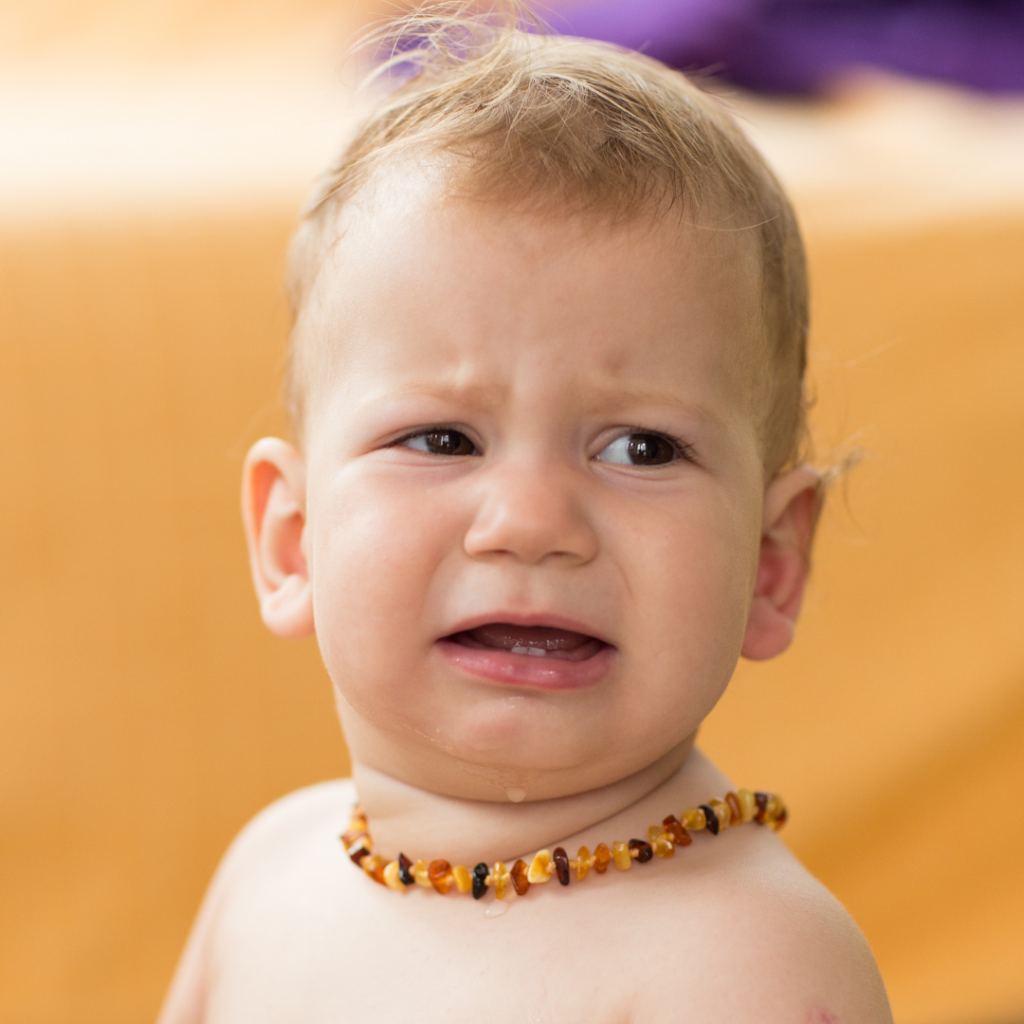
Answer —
791 506
273 508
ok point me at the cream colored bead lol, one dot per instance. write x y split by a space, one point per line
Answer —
392 878
541 869
748 805
419 872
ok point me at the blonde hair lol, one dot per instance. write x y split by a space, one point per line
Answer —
577 126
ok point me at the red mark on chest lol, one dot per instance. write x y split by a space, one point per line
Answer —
819 1015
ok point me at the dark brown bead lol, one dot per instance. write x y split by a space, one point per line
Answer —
358 850
519 880
561 859
674 827
403 870
480 873
644 850
734 805
712 818
761 799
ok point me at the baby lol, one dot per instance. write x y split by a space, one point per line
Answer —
546 488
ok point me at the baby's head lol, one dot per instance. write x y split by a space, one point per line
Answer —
546 382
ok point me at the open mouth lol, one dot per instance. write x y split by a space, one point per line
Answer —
532 641
541 657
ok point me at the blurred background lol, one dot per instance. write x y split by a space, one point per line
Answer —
153 155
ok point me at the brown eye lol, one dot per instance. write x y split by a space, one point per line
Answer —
441 442
640 449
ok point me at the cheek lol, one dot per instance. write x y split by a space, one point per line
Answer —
374 557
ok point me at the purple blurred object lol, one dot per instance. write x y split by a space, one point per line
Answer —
801 46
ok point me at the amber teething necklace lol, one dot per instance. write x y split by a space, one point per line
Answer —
716 816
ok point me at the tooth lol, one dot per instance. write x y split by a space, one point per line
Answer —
537 652
520 650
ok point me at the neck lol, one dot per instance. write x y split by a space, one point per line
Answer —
428 825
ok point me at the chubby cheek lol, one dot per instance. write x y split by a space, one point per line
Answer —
690 577
374 556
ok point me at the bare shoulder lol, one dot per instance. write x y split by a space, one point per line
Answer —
293 832
761 917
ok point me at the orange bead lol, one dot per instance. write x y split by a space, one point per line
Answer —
694 819
520 881
674 827
622 857
583 863
499 880
734 806
440 874
348 838
602 857
374 867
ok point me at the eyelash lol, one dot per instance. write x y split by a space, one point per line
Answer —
682 449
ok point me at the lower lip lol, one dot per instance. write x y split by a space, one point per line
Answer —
528 670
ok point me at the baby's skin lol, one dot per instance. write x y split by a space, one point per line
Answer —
531 527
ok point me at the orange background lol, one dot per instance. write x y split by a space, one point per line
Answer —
145 715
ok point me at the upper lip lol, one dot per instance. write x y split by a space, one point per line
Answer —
527 619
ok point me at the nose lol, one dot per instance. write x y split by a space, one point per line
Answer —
533 513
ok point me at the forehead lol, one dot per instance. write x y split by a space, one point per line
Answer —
428 289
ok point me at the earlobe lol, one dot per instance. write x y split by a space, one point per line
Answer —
792 504
273 509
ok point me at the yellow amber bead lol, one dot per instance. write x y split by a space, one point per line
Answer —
419 872
694 819
748 805
499 879
583 863
463 879
392 878
541 869
722 813
775 813
622 857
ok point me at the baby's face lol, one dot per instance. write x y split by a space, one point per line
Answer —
534 487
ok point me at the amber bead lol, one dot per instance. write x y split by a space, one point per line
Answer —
661 841
440 874
393 876
644 851
722 813
583 863
480 873
748 805
520 882
761 800
602 858
710 818
462 878
420 874
694 819
349 837
561 859
622 857
778 822
374 867
404 872
541 868
734 807
499 879
674 827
